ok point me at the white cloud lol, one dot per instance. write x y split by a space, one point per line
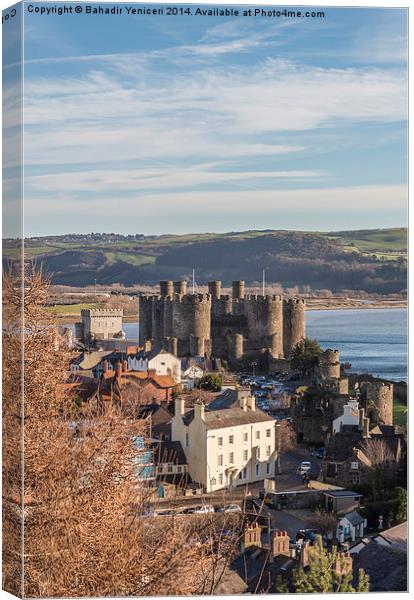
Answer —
127 180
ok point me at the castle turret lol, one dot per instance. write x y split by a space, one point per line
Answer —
166 288
379 402
329 364
238 290
235 347
214 288
192 318
180 287
293 324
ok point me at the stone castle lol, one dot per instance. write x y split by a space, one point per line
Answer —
229 327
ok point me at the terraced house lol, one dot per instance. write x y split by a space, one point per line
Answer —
226 447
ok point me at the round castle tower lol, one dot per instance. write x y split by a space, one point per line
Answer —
329 364
265 322
293 324
380 402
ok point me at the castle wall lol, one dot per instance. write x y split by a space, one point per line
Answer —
329 364
101 323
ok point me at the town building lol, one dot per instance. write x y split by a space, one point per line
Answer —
226 447
351 527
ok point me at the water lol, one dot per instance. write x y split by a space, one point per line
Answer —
373 340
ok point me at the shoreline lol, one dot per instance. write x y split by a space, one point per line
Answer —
74 318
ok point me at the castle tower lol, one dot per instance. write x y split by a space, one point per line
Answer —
293 324
265 322
180 287
329 364
235 347
380 402
166 288
191 319
214 288
238 290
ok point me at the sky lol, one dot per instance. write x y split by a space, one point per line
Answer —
175 124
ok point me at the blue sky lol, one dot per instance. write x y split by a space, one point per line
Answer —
161 124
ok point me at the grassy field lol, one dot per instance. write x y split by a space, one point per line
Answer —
400 413
373 241
72 309
137 260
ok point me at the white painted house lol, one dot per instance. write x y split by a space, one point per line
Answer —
350 416
161 361
190 376
226 447
351 527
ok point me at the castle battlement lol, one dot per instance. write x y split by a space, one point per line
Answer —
102 312
203 322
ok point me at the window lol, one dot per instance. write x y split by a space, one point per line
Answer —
244 473
186 440
258 452
355 478
213 481
231 439
245 437
220 460
267 468
354 466
257 469
179 469
220 441
258 435
267 450
245 454
169 468
268 433
220 478
231 457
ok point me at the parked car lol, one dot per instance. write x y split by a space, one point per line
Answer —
206 508
304 467
230 508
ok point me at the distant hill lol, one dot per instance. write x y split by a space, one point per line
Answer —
370 260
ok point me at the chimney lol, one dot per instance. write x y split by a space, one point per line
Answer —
199 410
343 564
252 536
243 402
151 373
125 366
279 543
179 407
105 366
304 554
251 402
147 346
118 369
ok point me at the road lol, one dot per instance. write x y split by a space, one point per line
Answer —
288 480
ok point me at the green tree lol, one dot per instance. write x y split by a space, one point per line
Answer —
305 356
327 573
210 383
401 512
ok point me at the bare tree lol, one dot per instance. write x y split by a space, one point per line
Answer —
83 502
380 464
325 522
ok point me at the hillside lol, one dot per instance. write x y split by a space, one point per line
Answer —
369 260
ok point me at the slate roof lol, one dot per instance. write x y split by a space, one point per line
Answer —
354 518
168 452
387 568
396 536
229 417
342 494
